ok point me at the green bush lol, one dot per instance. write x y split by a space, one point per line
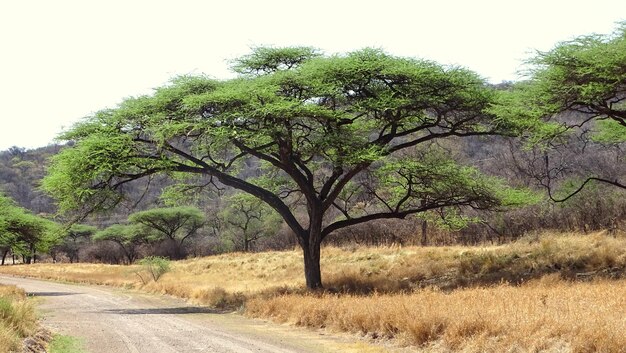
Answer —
154 266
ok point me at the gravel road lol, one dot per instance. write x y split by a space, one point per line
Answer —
110 320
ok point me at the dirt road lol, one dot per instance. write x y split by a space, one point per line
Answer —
114 321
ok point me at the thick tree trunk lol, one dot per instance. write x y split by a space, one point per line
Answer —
311 252
312 272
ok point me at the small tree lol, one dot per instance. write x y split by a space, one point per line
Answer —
153 266
74 238
128 237
24 233
249 220
9 241
175 225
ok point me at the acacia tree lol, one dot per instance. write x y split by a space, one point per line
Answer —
249 220
74 237
128 237
316 126
174 224
24 233
585 80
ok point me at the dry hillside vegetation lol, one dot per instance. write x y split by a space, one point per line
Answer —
559 292
17 318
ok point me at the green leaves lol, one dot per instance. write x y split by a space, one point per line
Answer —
265 60
122 234
610 132
433 180
309 124
586 75
247 219
176 223
21 230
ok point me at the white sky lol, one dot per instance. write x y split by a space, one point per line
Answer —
61 60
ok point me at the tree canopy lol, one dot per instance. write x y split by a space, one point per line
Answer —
24 233
584 79
175 224
586 75
128 237
318 128
74 237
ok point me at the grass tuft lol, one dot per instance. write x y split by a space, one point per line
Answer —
17 318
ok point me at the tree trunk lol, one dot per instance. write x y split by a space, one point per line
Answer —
32 260
311 252
424 233
312 272
4 256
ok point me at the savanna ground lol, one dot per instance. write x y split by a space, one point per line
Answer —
552 293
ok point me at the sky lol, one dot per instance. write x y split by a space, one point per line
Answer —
63 60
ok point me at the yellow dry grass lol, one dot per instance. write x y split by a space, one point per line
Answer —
17 318
384 269
541 316
512 298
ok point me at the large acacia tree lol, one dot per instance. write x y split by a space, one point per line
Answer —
341 140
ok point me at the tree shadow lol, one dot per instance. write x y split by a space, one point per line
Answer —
51 294
165 311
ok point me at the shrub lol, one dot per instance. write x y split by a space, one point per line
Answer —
153 266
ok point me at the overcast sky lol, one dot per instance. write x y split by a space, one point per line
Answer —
62 60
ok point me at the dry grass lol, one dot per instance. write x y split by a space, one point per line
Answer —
364 270
541 316
440 299
17 318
